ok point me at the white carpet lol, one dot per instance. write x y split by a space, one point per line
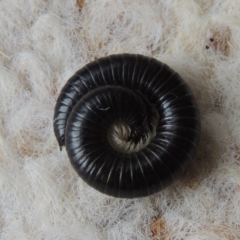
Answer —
42 43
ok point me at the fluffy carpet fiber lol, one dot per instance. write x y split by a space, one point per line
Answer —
42 43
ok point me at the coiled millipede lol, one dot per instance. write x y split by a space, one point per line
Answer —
130 125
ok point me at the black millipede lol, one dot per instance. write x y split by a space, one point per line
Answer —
130 125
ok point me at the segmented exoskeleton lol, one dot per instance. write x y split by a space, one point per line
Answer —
130 125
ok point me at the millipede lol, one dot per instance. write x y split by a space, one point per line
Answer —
130 125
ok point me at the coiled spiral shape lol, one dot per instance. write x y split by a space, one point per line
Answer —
130 125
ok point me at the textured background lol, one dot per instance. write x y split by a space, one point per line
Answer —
42 43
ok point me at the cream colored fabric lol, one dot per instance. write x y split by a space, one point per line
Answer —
42 43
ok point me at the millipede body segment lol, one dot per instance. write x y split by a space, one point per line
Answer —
130 125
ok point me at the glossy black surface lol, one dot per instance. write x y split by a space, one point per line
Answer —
109 89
